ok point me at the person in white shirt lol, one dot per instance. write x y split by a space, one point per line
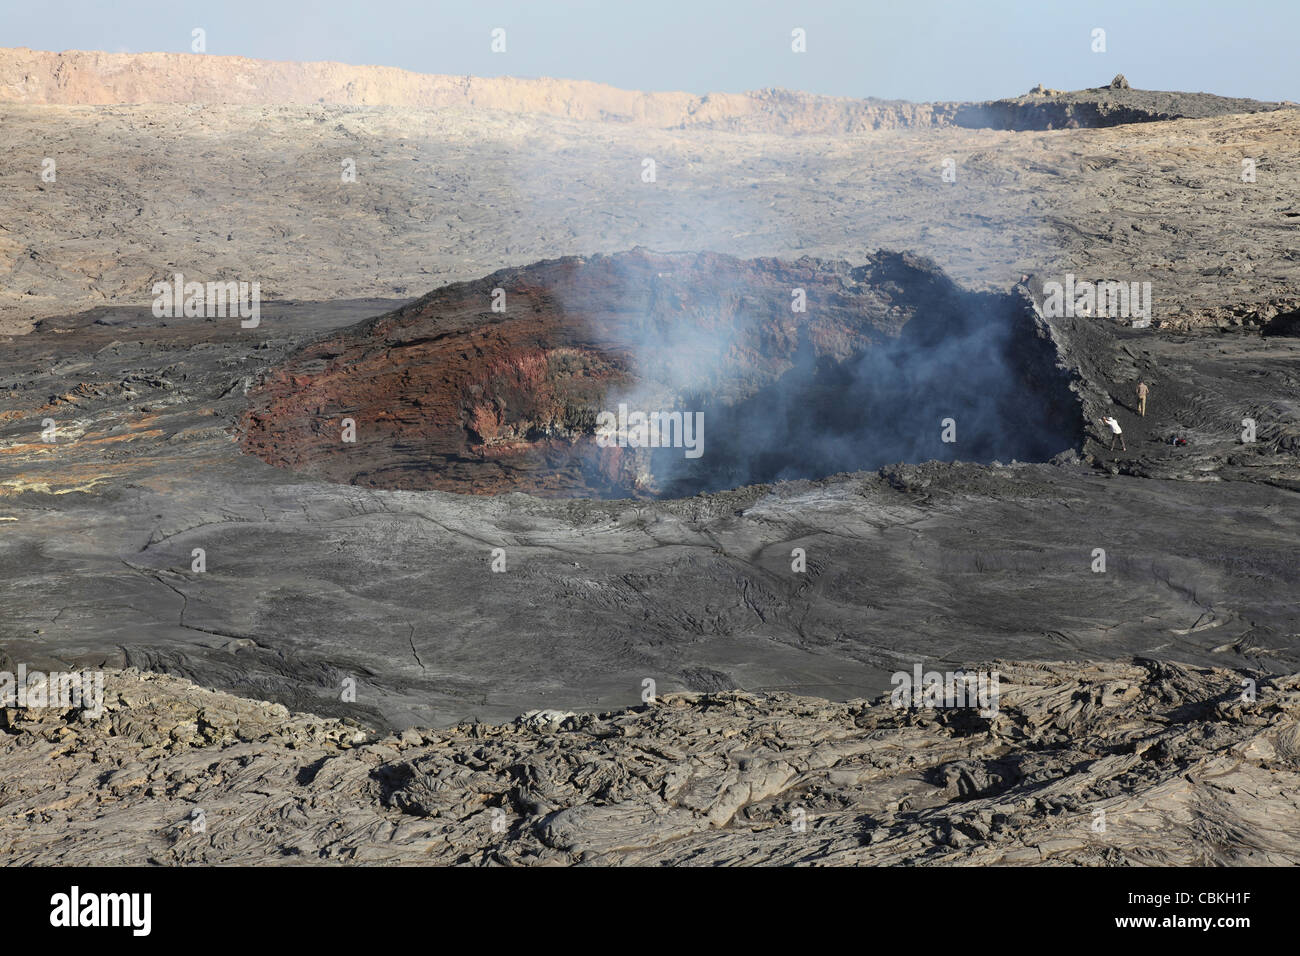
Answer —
1116 432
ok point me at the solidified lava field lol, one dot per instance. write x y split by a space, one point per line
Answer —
382 558
791 369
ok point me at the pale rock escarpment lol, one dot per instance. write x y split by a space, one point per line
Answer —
93 78
85 78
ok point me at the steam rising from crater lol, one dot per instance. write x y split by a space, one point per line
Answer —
447 395
973 369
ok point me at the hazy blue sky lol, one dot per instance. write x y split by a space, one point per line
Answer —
910 49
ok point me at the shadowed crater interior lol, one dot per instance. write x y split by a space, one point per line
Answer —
745 371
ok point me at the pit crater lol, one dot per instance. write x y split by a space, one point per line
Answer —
448 394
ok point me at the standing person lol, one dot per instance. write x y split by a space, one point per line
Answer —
1142 398
1115 432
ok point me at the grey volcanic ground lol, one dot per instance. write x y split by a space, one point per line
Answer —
310 583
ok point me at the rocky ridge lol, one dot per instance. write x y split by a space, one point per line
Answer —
93 78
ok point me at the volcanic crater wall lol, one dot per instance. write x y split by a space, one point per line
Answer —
78 77
448 394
